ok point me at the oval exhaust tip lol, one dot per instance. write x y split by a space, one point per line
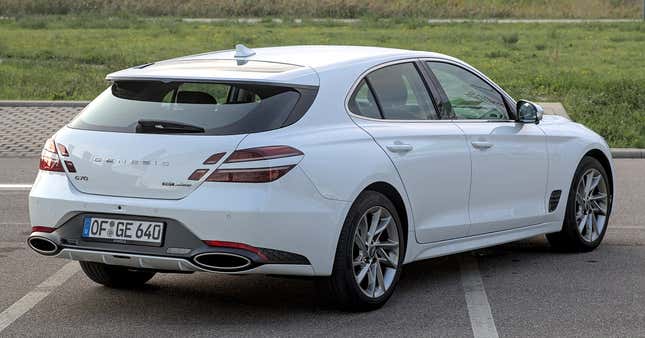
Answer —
222 261
42 245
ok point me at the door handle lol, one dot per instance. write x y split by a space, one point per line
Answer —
481 144
398 147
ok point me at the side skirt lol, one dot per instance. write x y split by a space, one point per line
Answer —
453 246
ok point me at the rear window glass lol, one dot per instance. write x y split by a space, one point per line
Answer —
207 108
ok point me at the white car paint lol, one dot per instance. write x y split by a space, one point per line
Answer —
456 197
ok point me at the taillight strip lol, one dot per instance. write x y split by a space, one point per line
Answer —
213 159
197 174
249 175
262 153
252 165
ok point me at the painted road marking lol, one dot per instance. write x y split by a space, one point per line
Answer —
481 318
31 299
15 187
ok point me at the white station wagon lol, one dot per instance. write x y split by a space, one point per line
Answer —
334 161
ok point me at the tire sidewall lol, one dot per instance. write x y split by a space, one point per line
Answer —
570 216
365 201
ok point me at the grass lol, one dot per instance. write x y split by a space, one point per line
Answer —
596 70
333 8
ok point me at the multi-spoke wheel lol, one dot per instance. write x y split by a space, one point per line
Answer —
587 211
369 254
592 200
376 251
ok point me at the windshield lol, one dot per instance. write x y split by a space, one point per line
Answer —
195 108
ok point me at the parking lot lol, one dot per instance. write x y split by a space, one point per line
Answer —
528 289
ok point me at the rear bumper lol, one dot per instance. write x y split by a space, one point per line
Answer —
288 215
174 264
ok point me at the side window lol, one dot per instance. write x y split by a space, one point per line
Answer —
363 102
470 97
401 93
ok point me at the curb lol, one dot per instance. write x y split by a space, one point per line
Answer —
351 21
554 108
628 153
6 103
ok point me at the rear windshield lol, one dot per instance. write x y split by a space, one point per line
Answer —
195 108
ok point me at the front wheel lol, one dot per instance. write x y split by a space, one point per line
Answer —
588 209
369 255
115 276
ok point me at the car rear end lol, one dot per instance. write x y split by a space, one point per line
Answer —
153 175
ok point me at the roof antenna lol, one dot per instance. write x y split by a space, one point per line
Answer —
241 51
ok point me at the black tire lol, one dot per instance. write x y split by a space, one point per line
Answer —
116 276
569 239
342 283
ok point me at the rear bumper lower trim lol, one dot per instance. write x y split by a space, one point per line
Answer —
173 264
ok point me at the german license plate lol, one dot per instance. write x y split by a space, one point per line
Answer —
123 230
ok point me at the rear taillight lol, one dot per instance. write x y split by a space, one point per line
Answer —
197 174
214 158
50 157
254 174
49 160
250 175
262 153
62 150
70 166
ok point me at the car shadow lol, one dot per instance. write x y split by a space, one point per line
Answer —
278 303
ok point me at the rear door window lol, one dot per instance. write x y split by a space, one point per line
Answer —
215 108
401 93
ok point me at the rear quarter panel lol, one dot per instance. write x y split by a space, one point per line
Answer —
340 158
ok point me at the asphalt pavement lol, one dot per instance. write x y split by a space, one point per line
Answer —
529 290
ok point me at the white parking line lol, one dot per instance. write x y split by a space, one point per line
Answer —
31 299
15 187
626 227
481 318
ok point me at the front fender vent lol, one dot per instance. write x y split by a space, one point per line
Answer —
554 200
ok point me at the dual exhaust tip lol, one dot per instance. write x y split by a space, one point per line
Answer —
43 245
216 261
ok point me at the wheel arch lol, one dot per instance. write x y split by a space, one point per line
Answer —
606 164
395 197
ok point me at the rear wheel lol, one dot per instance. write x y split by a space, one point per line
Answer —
369 255
588 208
115 276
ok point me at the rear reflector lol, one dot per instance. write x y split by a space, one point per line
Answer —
250 175
262 153
197 174
235 245
39 228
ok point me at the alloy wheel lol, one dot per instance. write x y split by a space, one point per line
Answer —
592 201
375 252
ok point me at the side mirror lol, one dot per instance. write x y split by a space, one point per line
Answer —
529 112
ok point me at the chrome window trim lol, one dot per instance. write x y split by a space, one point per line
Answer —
424 59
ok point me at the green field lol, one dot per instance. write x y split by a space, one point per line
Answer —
333 8
596 70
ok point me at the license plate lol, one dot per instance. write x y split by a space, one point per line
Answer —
123 231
